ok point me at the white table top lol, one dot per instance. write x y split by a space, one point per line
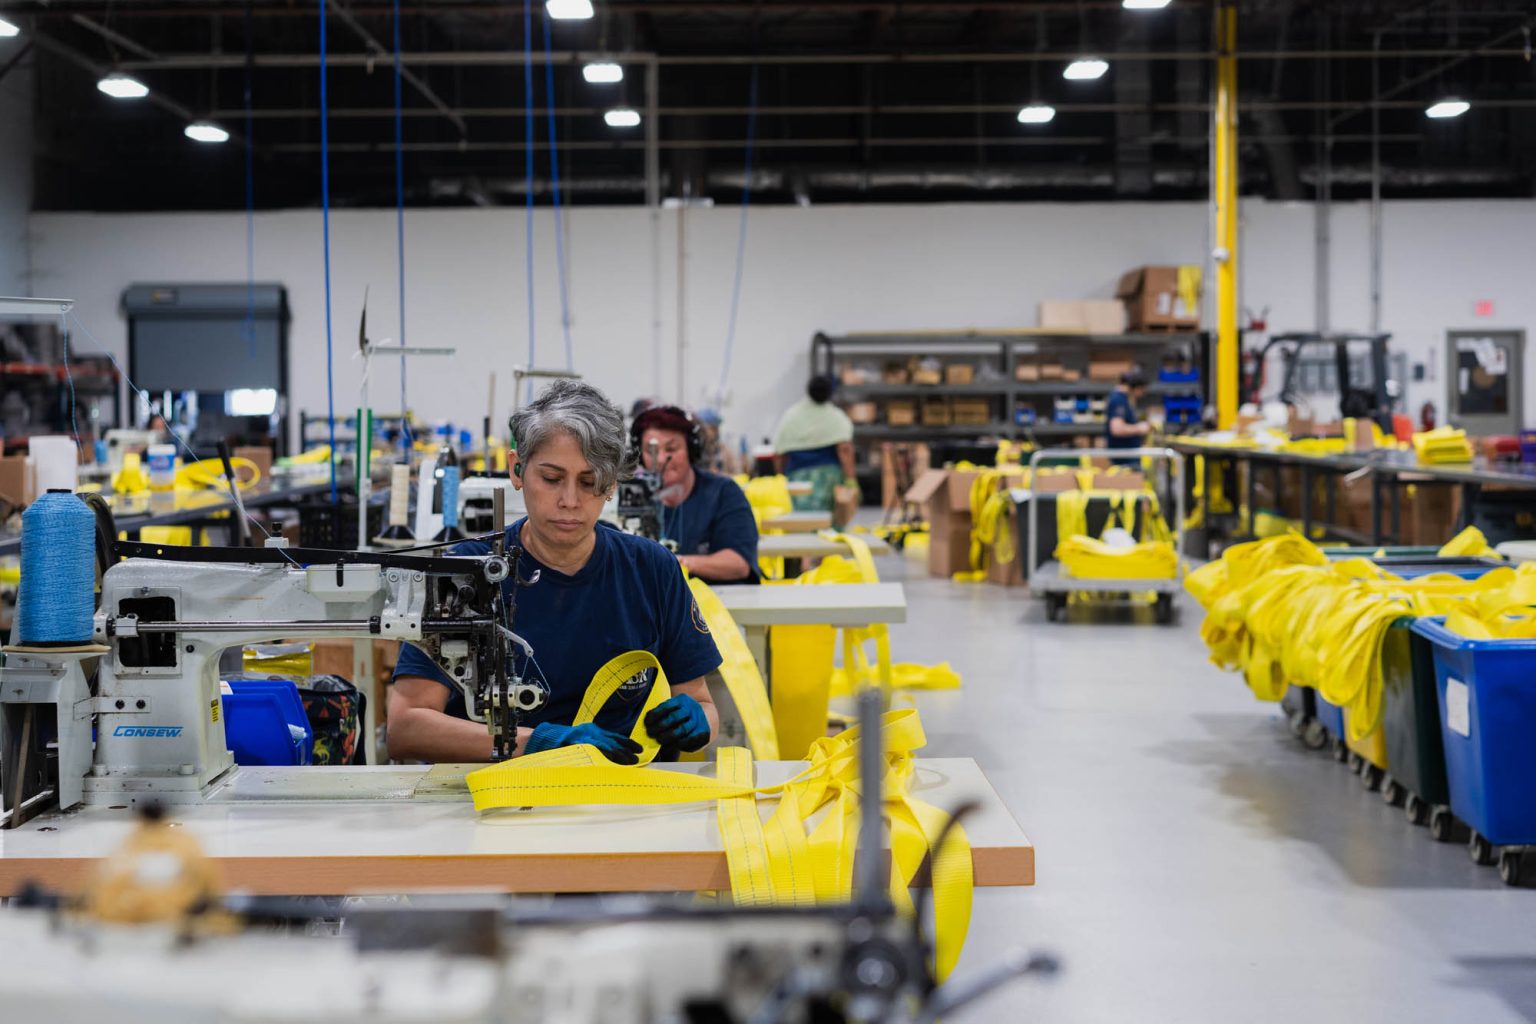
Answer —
287 831
828 604
799 522
1515 550
812 545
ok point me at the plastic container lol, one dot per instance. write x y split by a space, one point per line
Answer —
1410 715
1487 699
1412 567
265 724
161 463
1331 715
1372 747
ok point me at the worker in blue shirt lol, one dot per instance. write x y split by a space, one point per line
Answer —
599 593
706 515
1122 427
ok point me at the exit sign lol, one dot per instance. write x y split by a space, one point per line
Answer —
1482 307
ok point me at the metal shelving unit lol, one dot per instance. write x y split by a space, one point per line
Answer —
995 354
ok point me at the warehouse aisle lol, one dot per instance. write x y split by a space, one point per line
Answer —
1195 863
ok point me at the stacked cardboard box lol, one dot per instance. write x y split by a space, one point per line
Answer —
970 411
1152 301
959 373
901 412
945 496
935 412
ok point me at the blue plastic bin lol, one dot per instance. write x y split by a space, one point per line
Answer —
265 724
1487 691
1331 715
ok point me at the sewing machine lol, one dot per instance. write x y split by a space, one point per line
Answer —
148 688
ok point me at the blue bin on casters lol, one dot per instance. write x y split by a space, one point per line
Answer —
1487 691
1332 717
265 724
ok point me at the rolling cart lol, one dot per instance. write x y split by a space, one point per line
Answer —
1052 582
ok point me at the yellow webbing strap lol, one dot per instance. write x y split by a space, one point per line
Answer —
740 672
778 862
210 473
1469 543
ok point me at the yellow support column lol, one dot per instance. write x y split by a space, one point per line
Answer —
1224 187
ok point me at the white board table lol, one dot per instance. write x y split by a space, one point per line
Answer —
339 831
827 604
798 522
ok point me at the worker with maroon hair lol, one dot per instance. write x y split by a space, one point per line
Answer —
705 515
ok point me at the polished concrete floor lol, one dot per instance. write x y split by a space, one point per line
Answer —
1194 862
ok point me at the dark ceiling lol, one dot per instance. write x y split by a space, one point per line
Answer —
876 101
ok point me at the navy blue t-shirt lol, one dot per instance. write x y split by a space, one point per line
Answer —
1119 406
630 596
715 517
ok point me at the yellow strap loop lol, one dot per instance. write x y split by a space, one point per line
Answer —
740 672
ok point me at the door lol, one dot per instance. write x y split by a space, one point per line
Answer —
1486 369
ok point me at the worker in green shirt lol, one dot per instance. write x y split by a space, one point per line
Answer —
814 444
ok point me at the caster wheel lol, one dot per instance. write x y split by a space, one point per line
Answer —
1416 810
1340 751
1163 609
1392 792
1055 606
1370 777
1480 850
1314 736
1443 826
1296 722
1356 763
1510 863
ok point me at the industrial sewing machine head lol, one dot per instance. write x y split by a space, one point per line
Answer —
149 688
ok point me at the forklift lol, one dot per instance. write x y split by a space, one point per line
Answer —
1360 377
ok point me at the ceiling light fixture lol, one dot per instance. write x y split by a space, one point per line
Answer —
1144 5
622 117
1037 113
568 10
603 72
121 87
1447 108
205 131
1085 69
7 29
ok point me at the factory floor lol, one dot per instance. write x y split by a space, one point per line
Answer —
1194 862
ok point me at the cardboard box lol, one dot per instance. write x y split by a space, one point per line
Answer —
1071 374
936 412
901 412
1054 481
970 411
945 497
260 454
894 373
1121 480
1110 365
927 378
845 505
863 412
1027 369
1088 316
1151 297
1428 515
1050 369
959 373
18 484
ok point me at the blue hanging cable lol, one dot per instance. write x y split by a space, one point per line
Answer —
528 173
741 230
325 235
554 178
405 421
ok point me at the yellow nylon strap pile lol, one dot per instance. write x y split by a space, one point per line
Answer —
1507 613
794 858
1469 543
1086 557
739 670
1280 613
1443 444
769 498
991 533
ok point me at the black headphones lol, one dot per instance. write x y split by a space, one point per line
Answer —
694 433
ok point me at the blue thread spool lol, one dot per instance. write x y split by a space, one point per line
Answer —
58 572
450 496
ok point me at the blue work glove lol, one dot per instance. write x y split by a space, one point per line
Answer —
616 748
680 723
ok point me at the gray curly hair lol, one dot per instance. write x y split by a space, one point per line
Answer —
576 408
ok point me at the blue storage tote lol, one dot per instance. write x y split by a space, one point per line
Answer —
1331 715
1487 691
265 724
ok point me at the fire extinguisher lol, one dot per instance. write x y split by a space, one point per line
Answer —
1427 416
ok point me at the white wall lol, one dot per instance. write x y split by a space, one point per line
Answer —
15 170
831 268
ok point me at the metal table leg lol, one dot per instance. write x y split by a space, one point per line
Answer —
1253 491
1469 495
1397 510
1375 508
1330 499
1307 480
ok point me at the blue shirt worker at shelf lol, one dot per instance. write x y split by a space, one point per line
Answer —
600 593
706 515
814 445
1122 427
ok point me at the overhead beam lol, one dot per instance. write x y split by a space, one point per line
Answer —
406 74
113 36
501 58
